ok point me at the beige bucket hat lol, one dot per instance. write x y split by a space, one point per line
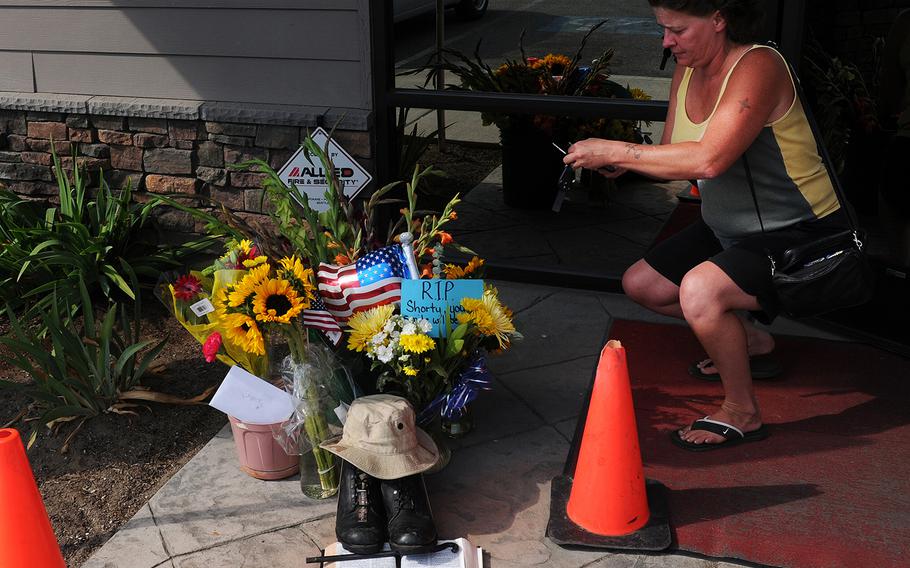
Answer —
380 437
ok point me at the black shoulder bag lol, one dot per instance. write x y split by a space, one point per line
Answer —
828 273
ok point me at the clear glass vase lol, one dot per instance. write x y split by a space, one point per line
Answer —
458 427
442 445
319 471
319 390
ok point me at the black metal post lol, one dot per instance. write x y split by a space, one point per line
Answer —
383 70
517 103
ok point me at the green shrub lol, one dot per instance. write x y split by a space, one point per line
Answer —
98 237
78 371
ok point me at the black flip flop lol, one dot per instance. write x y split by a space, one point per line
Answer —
731 434
763 367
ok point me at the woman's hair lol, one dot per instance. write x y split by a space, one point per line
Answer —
745 18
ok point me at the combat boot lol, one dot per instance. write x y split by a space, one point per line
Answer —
360 525
410 521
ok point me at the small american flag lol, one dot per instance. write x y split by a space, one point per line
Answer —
317 317
373 280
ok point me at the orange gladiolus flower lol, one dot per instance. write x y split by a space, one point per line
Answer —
444 237
342 259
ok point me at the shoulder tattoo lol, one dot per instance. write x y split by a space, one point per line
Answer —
744 105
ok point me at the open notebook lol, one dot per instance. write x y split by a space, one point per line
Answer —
467 556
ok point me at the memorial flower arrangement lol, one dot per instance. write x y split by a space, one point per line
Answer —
257 308
358 274
338 290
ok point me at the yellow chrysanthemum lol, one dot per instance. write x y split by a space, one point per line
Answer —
410 371
453 271
364 325
275 300
416 343
241 330
490 316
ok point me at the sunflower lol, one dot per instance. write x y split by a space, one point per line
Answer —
364 325
301 278
555 63
275 300
490 316
240 292
410 371
416 343
241 330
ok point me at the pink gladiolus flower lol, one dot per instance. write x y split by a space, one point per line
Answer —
211 346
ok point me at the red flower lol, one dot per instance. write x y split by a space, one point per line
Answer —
444 237
187 287
211 346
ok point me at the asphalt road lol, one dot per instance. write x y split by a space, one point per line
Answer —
550 26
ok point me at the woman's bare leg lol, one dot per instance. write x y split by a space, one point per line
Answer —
709 300
651 289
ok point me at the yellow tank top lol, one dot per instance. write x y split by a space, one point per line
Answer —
791 181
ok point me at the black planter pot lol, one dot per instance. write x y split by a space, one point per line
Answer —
530 168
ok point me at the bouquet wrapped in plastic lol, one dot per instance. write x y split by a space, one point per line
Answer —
322 391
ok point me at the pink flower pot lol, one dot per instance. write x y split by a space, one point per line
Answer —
261 456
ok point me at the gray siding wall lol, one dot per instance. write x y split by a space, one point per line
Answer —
312 53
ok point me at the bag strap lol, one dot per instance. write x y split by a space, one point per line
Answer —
819 143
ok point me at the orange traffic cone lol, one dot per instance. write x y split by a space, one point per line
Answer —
690 195
609 502
26 537
608 492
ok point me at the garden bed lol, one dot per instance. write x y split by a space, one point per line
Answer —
115 462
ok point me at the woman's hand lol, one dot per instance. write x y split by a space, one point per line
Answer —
593 154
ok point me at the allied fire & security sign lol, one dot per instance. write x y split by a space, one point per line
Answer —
430 299
309 176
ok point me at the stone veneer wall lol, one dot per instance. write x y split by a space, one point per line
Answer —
157 155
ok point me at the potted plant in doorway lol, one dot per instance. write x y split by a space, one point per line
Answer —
530 163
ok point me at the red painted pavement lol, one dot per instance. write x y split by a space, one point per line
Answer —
829 488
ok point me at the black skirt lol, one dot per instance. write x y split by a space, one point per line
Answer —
746 262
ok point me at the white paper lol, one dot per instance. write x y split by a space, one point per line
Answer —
341 411
249 399
335 549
